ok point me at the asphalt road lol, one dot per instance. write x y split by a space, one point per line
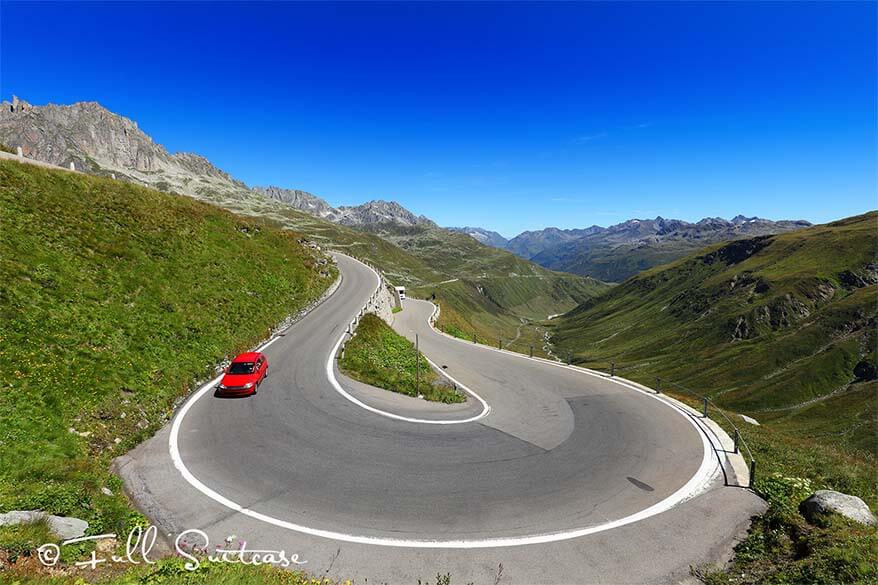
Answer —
568 478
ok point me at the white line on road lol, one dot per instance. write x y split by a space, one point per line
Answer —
696 483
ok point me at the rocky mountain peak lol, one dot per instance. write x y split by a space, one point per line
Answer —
85 133
379 211
302 200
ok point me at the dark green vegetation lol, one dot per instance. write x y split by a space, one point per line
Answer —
115 300
379 356
782 328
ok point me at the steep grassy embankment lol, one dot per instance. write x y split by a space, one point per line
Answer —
115 300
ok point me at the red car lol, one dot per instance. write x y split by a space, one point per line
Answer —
244 375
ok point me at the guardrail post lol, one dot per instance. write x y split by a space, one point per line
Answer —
737 438
531 351
752 472
658 385
612 369
474 337
704 410
499 343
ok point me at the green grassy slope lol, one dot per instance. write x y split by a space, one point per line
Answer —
779 327
484 290
115 299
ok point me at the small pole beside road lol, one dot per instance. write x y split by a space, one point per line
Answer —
705 407
612 369
658 385
417 366
737 438
531 351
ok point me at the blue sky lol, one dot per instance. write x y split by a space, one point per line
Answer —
507 116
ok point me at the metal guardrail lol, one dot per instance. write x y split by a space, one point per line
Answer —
351 330
740 445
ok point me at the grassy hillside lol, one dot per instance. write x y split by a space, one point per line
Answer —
772 326
114 300
485 291
782 328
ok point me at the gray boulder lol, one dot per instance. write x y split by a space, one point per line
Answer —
61 526
828 501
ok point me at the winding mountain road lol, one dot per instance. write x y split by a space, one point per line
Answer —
557 474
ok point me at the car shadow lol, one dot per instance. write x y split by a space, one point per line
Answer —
216 394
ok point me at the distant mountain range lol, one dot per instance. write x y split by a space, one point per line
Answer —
371 213
100 142
620 251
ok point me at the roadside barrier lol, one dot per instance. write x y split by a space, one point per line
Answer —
703 403
351 329
566 357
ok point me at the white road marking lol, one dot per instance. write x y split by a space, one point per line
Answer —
330 373
696 484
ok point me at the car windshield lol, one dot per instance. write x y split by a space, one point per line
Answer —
241 368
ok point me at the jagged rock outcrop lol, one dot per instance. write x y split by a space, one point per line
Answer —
378 212
301 200
100 142
372 213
